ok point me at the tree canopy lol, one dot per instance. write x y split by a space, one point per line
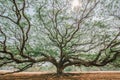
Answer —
64 33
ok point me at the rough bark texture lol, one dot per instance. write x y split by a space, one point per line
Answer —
59 71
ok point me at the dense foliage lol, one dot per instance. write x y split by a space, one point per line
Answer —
59 32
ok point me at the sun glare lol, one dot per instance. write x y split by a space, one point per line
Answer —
75 4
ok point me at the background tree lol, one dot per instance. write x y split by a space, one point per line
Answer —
56 33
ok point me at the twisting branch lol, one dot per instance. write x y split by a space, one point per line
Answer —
20 15
5 39
108 58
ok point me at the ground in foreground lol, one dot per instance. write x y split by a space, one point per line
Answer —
99 75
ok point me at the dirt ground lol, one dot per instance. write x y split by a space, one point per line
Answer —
108 75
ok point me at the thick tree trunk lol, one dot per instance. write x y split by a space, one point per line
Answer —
59 71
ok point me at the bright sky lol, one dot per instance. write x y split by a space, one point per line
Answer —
75 4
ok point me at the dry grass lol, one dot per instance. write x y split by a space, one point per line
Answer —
98 75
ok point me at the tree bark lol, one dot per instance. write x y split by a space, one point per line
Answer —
59 71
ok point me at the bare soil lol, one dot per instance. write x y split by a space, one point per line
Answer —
98 75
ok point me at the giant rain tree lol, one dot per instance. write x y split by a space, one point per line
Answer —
56 33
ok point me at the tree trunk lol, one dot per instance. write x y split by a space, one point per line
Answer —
59 71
